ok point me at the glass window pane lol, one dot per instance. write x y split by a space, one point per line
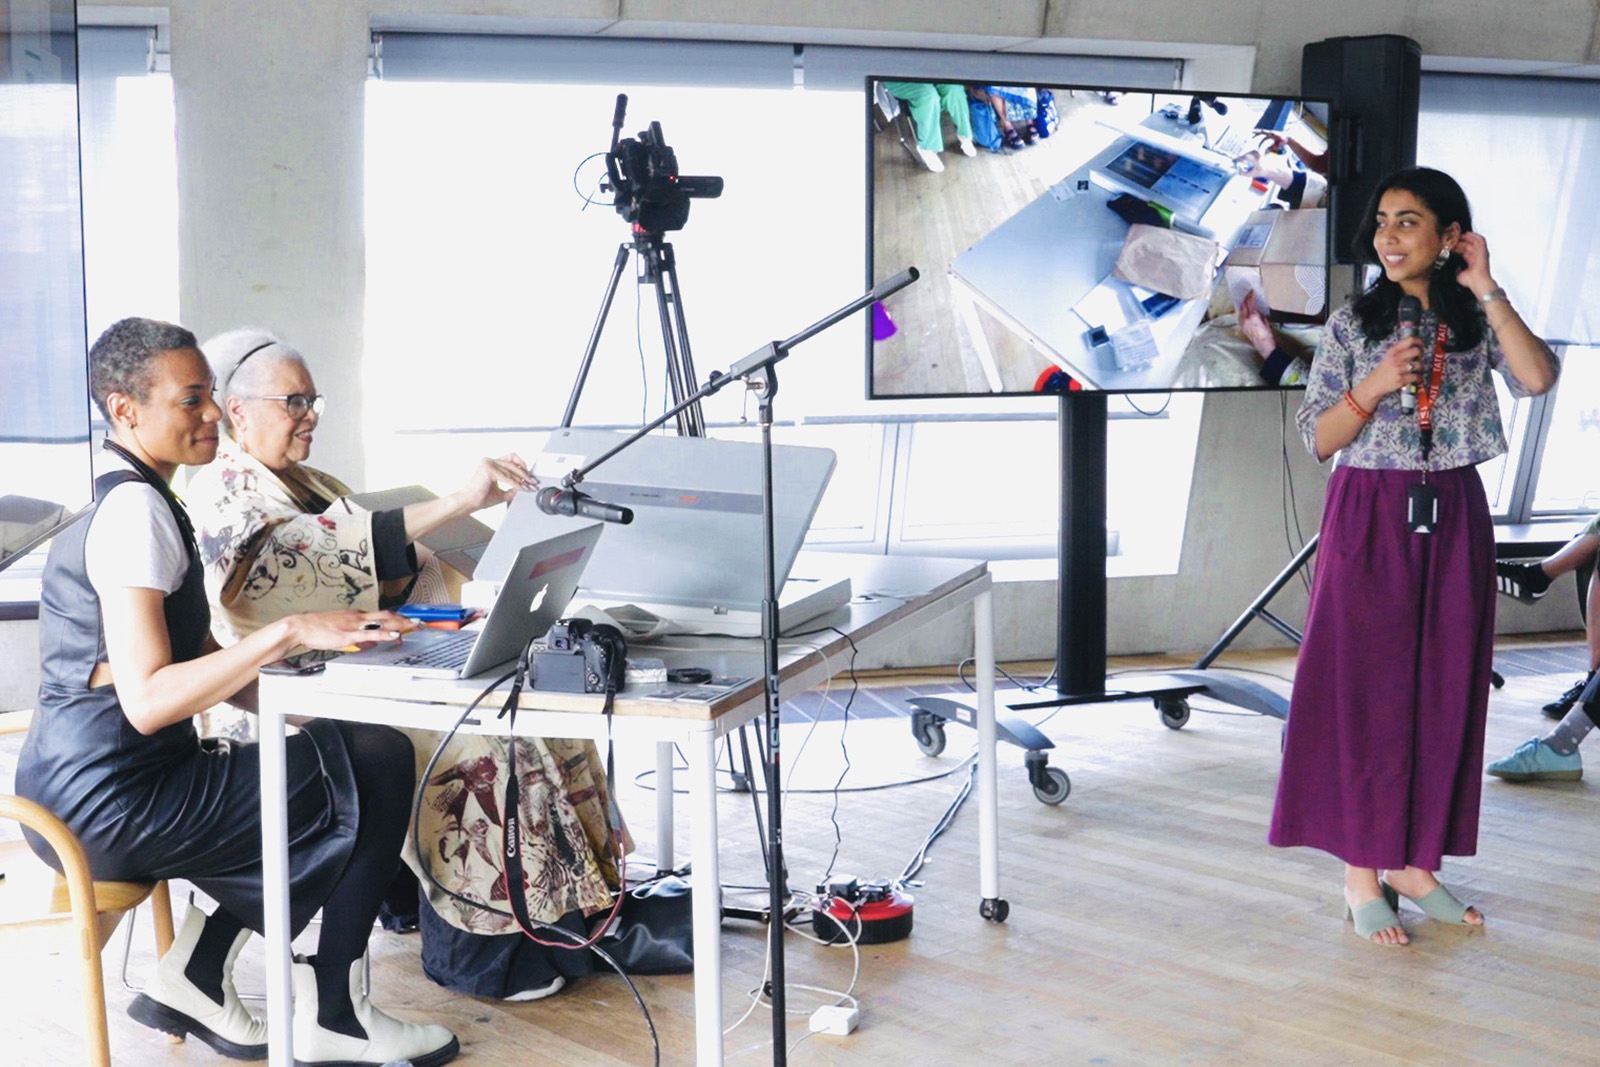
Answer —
1567 479
990 482
1499 474
44 410
504 267
956 472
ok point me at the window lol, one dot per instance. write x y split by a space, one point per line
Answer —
44 425
1567 481
130 178
1547 254
74 264
489 249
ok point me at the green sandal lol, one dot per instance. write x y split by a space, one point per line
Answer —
1379 913
1441 904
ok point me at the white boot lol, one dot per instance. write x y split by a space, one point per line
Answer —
172 1004
387 1039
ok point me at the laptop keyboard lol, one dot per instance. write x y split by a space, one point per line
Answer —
446 654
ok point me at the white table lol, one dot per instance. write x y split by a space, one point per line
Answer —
906 593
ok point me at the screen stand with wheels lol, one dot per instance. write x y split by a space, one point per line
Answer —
1081 592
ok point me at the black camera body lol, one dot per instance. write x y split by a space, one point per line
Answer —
582 657
643 173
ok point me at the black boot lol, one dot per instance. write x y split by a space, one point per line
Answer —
1558 708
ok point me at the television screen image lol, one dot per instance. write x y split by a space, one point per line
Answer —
1078 237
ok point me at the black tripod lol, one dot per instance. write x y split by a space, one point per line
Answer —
758 372
660 270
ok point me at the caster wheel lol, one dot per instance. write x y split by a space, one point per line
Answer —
1055 787
1174 712
995 909
928 730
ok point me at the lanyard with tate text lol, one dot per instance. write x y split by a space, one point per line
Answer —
1427 395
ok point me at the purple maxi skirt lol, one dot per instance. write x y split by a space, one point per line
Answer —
1383 751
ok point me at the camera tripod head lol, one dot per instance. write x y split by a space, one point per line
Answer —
643 173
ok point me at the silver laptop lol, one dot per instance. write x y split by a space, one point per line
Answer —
537 589
692 557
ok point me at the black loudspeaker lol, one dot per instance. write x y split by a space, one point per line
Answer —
1373 84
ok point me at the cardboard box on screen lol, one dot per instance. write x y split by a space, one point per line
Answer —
1282 255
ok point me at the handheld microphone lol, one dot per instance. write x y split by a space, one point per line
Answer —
1410 326
554 500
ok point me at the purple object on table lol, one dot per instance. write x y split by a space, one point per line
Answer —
883 326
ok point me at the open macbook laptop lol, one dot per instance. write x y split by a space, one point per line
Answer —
691 560
537 589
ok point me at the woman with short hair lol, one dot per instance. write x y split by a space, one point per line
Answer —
128 660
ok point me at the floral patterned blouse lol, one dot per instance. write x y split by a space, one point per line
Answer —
1466 414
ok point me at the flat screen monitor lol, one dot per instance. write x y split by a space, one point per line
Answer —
1087 237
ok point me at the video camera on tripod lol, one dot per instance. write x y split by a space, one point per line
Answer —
643 173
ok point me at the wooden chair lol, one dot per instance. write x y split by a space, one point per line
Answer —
33 894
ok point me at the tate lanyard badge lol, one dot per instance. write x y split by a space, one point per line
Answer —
1422 500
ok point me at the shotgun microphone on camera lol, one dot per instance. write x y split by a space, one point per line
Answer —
1410 326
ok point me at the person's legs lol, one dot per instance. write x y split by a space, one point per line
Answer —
954 100
191 991
334 1022
1554 757
1572 555
1592 627
382 761
922 100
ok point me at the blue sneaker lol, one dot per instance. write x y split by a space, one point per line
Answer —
1535 761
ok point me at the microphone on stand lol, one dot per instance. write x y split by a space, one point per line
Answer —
554 500
1410 326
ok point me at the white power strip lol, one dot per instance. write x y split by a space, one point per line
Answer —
837 1019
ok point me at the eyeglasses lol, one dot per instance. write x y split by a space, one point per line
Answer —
297 404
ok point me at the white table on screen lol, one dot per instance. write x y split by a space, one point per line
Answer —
1033 268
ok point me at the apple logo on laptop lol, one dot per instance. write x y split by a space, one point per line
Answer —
538 598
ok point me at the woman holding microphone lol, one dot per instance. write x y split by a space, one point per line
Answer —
1383 749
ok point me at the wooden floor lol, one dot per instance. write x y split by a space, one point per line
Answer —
1150 923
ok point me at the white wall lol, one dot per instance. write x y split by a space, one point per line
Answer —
269 125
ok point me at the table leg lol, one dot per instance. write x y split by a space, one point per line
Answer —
988 796
707 898
967 308
664 842
275 883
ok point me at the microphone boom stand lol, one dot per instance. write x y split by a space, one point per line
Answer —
757 371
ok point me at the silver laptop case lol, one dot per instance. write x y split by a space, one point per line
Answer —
696 536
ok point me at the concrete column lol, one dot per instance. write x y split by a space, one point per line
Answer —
269 107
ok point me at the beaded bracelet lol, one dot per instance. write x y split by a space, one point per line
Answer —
1492 295
1361 413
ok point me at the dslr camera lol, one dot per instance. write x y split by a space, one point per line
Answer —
643 173
582 657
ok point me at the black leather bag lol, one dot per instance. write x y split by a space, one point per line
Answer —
654 929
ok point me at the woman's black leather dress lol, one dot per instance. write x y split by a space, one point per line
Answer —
169 805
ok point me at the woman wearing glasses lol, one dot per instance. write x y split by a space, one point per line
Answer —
127 661
276 538
272 539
